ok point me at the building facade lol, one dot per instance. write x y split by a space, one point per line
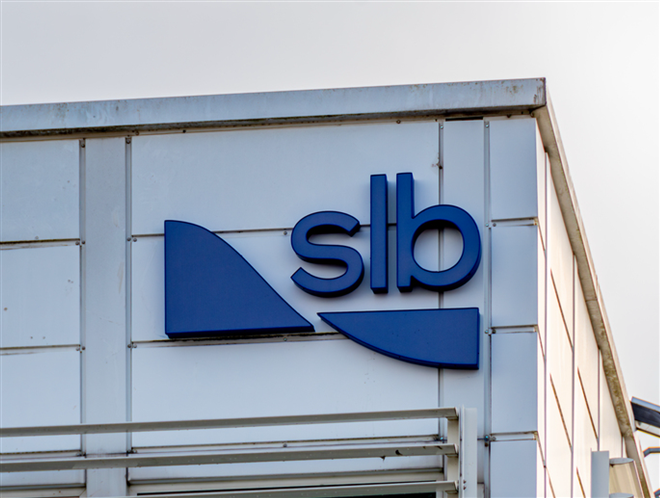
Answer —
88 345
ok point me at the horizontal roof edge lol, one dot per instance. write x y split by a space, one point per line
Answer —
212 110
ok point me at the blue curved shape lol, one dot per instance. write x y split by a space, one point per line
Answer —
445 338
211 290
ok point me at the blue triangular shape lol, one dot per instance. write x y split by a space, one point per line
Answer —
446 338
210 289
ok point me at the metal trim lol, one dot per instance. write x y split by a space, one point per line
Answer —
272 108
178 425
330 491
316 452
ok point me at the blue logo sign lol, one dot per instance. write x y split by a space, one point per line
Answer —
211 290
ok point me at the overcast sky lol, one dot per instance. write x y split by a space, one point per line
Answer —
600 61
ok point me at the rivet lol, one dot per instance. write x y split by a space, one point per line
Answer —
128 239
486 125
134 239
398 121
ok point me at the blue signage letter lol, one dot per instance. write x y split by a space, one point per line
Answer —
410 226
378 228
321 223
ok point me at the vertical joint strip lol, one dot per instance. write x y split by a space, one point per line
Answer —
487 322
127 279
82 277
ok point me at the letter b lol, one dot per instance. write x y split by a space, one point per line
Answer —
409 227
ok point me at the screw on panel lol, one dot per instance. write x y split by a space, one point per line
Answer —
398 121
486 125
128 140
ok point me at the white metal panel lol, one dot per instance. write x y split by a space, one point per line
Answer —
513 469
40 389
560 358
586 351
585 441
50 479
245 380
40 296
542 170
105 364
561 258
513 168
542 387
610 434
558 457
515 286
148 289
463 185
39 186
465 387
542 289
463 167
579 488
515 375
271 255
271 178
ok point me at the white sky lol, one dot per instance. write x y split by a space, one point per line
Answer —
600 60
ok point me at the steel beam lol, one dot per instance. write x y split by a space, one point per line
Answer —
179 425
317 452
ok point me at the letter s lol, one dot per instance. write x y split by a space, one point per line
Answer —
321 223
